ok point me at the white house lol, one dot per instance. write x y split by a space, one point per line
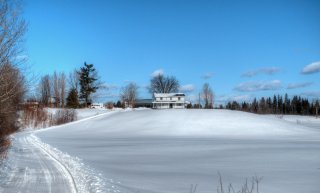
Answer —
168 101
96 106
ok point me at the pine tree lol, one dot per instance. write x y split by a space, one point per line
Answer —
262 105
286 104
280 103
255 105
72 99
274 104
119 105
88 82
317 108
269 105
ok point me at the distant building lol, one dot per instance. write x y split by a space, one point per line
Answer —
168 101
96 106
52 102
31 105
143 103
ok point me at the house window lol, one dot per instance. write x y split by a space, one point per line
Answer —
160 98
170 98
178 98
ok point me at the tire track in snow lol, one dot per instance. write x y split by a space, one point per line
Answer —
28 169
63 167
36 167
82 177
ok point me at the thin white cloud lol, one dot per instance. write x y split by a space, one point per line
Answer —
311 68
157 72
259 86
207 75
192 98
111 86
268 71
22 57
238 98
315 94
187 88
299 85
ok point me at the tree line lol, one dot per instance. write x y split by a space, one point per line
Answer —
278 104
58 90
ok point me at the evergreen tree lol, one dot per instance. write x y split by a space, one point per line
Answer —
269 105
244 106
280 103
72 99
255 105
299 105
262 105
189 106
296 105
286 104
88 78
317 108
274 104
119 105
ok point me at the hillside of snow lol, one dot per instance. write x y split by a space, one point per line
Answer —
186 123
165 151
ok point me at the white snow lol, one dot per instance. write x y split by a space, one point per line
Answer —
189 123
165 151
85 113
310 121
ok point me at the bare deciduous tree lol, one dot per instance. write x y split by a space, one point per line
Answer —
62 82
59 88
129 94
208 96
164 84
73 80
12 82
45 90
56 89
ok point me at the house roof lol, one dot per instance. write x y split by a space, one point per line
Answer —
167 94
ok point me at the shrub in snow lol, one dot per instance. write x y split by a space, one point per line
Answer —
4 145
109 105
41 118
64 116
34 117
249 186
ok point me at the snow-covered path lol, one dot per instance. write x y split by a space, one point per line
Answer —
31 168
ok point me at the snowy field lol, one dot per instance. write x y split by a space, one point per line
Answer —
165 151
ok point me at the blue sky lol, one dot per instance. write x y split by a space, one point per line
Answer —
242 49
